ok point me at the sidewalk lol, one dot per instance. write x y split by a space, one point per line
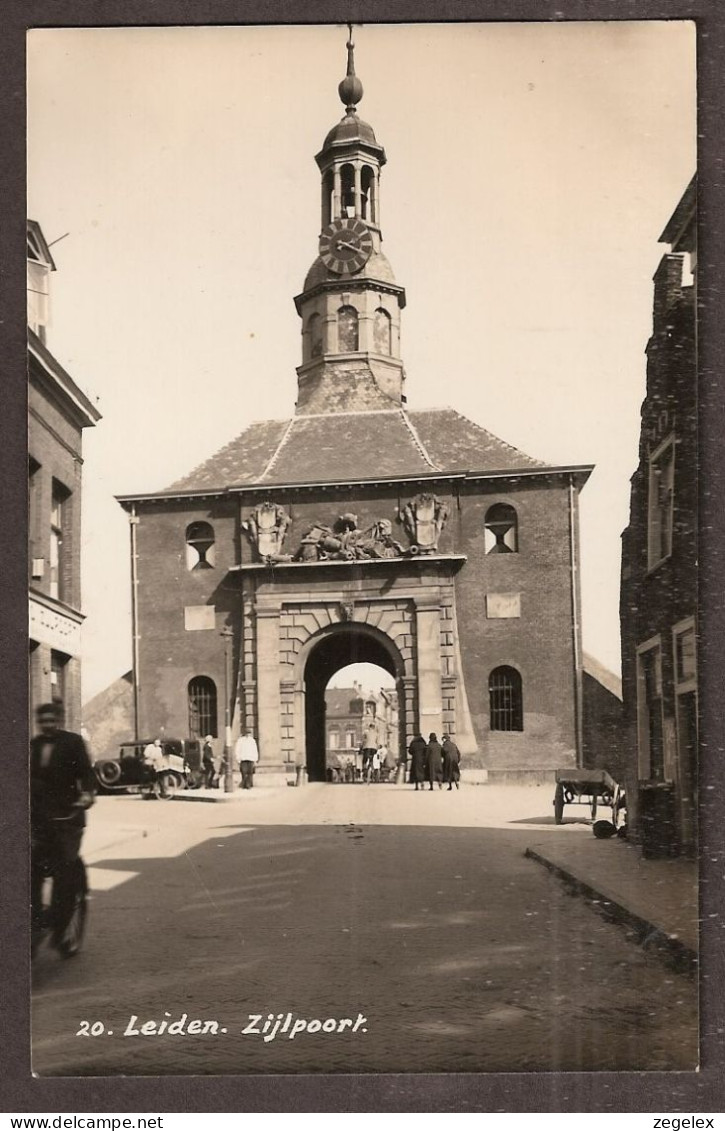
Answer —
657 898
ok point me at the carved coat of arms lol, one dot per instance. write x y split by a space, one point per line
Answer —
424 519
266 527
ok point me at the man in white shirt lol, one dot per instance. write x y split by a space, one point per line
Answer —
247 755
153 757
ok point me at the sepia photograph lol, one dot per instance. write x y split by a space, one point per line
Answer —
363 464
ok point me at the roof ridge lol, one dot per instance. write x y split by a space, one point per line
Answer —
346 412
493 436
278 449
417 440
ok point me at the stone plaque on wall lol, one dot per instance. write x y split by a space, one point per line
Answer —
197 617
502 605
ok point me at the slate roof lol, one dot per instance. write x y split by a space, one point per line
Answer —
346 446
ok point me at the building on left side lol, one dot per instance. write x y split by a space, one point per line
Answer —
58 411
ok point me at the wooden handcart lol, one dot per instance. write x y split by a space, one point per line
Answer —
594 788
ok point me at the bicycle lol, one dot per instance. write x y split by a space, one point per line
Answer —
67 936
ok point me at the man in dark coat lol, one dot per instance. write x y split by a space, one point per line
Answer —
451 762
434 761
62 785
417 760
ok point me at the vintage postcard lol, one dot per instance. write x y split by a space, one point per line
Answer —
363 548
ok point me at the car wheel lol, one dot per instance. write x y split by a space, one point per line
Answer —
108 773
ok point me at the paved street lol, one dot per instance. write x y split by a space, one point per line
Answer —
415 918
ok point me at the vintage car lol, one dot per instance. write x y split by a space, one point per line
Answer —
128 771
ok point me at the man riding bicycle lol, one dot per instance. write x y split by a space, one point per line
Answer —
61 789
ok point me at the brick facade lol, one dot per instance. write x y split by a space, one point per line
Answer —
659 551
58 411
293 605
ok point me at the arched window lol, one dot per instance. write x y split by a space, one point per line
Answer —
382 332
367 181
502 530
202 707
347 190
328 185
200 546
314 330
505 699
347 334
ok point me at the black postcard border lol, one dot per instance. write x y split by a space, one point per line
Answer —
694 1092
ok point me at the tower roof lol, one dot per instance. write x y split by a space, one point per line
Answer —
352 130
349 131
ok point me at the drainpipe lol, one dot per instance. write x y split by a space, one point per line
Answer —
576 627
133 523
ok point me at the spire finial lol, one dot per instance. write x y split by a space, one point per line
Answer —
350 89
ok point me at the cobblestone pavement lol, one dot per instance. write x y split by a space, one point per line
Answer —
417 912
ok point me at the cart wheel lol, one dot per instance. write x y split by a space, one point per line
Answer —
558 804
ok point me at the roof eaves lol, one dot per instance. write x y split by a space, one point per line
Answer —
64 381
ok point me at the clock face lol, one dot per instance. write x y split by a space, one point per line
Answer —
345 246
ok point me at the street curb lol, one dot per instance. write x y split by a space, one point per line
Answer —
651 937
222 798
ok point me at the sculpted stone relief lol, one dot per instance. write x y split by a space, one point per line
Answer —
266 527
423 518
345 542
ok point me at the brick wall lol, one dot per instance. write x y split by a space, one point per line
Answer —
539 643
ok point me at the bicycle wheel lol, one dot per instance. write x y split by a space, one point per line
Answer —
75 928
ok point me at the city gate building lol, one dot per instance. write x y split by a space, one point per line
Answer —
359 530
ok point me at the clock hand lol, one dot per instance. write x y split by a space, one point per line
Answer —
350 246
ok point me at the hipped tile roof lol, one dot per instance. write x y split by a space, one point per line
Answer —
334 447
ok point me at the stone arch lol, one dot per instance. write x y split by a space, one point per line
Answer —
324 653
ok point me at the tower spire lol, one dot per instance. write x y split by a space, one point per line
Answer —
350 89
350 305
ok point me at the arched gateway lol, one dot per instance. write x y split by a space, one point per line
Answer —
326 653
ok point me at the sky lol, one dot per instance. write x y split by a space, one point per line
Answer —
531 170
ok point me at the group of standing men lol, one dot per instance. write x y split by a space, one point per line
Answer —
434 763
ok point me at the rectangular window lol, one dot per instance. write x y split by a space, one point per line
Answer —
59 508
58 681
660 503
34 550
685 656
38 289
649 709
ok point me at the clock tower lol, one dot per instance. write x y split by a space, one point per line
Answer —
350 305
